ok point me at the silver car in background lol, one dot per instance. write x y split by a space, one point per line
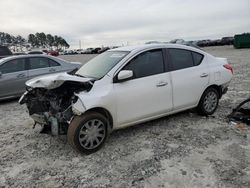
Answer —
16 70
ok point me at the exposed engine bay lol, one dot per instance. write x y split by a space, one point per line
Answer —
51 108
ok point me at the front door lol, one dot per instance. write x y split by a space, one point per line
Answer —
13 77
148 93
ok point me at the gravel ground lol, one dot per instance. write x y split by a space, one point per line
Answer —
182 150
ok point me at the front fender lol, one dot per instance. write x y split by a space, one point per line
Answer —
99 99
78 107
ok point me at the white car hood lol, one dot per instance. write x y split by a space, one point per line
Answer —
77 63
54 80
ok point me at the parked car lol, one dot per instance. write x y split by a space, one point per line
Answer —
79 51
88 51
19 53
61 53
53 53
104 49
203 43
227 40
95 50
37 52
4 52
126 86
45 51
16 70
70 52
84 51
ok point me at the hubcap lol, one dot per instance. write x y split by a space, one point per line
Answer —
92 134
210 101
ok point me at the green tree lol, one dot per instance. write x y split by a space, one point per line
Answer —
42 38
32 39
49 40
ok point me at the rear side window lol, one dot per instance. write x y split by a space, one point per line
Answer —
197 58
180 59
14 65
38 62
52 63
146 64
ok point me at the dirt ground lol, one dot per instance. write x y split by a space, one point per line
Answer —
182 150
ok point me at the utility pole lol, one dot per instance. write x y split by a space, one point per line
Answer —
80 44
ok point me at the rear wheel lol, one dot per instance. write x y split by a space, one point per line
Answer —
208 102
87 133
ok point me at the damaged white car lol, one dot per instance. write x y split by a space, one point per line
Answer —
123 87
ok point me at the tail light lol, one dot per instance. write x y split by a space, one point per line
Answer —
229 67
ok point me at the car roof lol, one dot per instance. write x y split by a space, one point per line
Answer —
159 45
3 60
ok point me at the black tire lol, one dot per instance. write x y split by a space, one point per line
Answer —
210 95
82 130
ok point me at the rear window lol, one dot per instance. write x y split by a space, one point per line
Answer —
52 63
197 58
38 62
4 51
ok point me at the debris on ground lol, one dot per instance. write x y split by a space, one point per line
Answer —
241 113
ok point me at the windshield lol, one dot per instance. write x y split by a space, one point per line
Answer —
101 64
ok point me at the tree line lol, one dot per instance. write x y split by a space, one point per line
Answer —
8 39
47 40
38 40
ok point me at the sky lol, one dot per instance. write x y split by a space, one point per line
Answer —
125 22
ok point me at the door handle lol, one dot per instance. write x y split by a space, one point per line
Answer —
52 70
20 75
204 75
161 84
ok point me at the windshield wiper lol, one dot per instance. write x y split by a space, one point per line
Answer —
80 75
73 71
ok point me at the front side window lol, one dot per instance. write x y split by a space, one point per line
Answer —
38 62
180 59
146 64
101 64
14 65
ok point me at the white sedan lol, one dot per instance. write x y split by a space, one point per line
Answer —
126 86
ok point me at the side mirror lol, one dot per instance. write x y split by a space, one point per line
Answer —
124 75
0 74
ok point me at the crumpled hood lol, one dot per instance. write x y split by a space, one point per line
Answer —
54 80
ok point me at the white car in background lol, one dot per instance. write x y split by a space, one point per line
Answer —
126 86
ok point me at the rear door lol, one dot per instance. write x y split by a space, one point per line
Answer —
13 76
148 93
39 66
190 76
54 66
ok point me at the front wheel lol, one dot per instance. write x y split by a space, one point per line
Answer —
208 102
87 133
